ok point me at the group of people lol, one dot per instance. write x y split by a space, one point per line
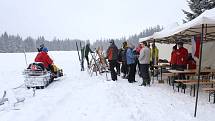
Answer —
125 59
129 58
181 59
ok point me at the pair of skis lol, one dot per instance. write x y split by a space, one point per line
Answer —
80 57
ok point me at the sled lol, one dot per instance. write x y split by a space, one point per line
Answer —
36 76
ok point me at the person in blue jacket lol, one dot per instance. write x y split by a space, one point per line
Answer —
130 58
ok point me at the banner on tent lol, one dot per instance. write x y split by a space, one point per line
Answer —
195 45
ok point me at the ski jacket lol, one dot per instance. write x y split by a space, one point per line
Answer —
138 50
154 55
182 54
112 52
174 57
191 64
130 57
122 54
87 50
144 57
44 58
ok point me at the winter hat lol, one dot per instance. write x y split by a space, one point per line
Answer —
174 47
124 44
45 49
111 41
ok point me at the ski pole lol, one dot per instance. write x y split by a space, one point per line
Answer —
78 51
25 59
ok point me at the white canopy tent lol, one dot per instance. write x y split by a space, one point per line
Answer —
204 25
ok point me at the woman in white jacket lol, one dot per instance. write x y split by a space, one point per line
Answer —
144 60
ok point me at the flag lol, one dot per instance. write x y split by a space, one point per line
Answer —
195 45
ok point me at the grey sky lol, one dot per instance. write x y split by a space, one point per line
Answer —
86 19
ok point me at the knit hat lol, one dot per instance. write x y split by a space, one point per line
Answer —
45 49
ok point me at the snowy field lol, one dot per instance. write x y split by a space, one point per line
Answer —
79 97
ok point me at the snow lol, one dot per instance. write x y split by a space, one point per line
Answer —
80 97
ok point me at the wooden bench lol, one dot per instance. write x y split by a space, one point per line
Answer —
169 76
193 84
211 92
191 81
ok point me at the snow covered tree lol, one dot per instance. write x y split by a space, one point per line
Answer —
197 7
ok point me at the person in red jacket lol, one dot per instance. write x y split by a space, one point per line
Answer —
44 58
182 54
174 56
191 62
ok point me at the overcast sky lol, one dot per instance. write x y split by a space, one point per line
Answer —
86 19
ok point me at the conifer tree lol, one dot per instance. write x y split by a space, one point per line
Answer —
197 7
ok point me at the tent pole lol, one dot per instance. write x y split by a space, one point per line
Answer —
153 70
199 70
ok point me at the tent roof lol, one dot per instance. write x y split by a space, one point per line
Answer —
160 34
145 38
165 32
185 31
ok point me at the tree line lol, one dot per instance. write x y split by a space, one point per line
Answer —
15 43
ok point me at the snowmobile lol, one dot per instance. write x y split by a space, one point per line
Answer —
37 76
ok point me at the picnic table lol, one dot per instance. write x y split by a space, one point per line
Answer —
192 71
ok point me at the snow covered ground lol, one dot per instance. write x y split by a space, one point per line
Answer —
79 97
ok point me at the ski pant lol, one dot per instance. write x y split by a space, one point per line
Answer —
118 68
87 58
131 72
144 72
82 65
113 65
124 68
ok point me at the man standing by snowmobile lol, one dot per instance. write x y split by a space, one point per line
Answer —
45 59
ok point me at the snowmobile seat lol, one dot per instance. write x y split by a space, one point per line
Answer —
36 66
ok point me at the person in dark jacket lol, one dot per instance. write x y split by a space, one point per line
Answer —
112 56
86 50
122 56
